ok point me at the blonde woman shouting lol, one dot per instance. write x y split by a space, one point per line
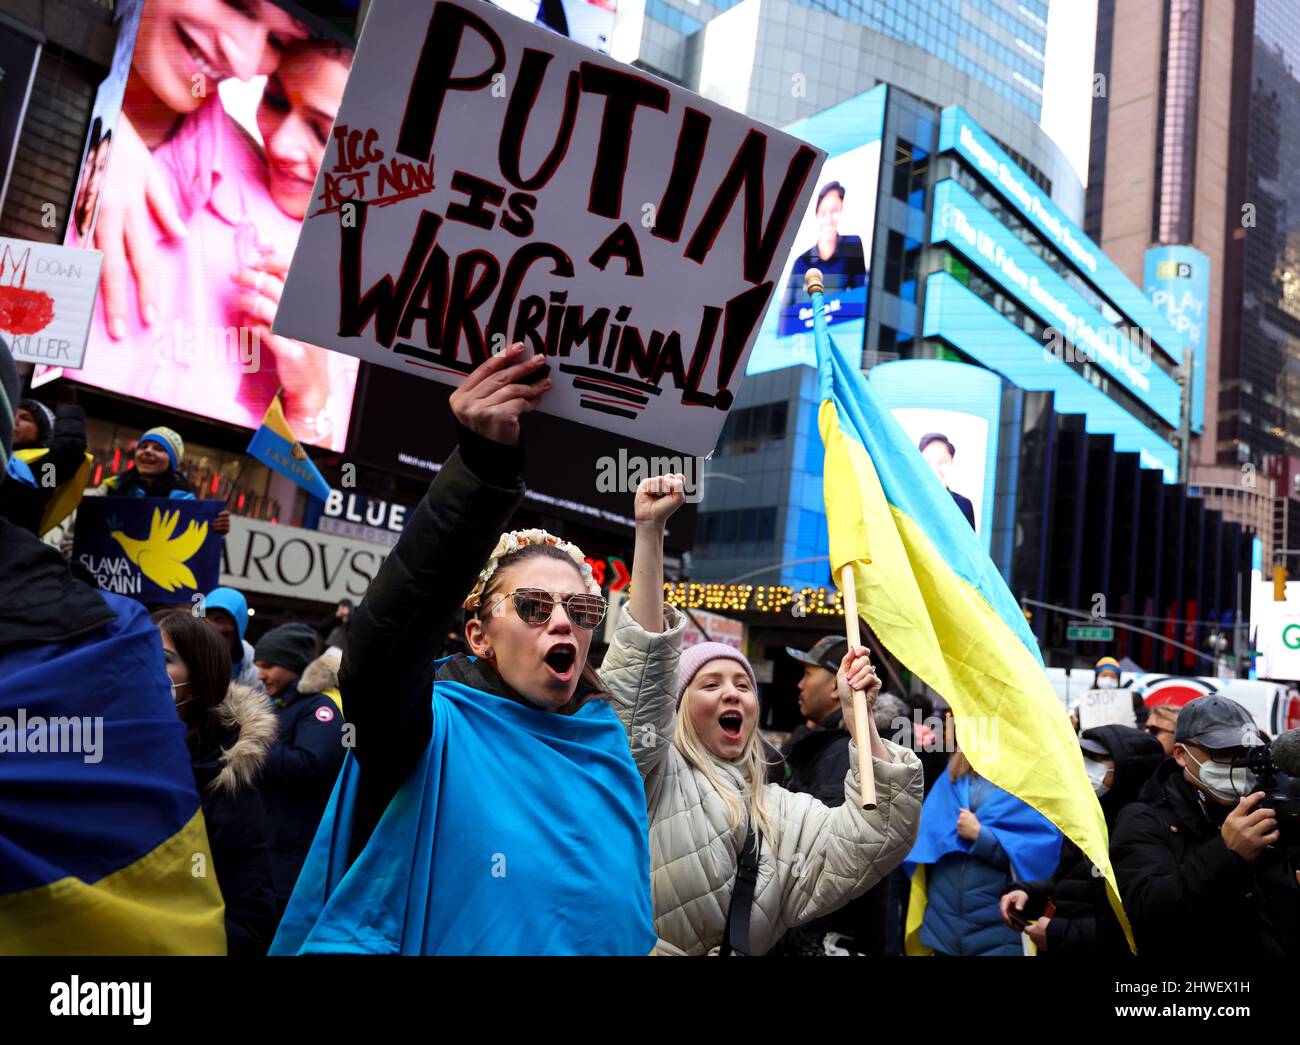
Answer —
735 862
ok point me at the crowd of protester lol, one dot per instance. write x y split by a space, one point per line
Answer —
628 806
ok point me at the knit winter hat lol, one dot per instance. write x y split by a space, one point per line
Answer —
291 646
42 415
169 440
697 656
1107 664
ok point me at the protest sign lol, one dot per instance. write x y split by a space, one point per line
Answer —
490 182
47 296
151 548
1106 707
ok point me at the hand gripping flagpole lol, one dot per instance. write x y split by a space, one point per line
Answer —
864 724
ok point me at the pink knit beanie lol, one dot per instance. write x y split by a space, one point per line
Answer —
697 656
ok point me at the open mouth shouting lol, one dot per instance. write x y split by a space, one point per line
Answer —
731 723
562 661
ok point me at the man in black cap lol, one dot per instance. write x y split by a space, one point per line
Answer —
1199 868
817 758
301 767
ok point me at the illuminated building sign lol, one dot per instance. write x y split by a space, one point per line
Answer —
968 323
957 131
773 599
960 220
1177 279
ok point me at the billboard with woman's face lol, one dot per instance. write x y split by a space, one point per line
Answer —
198 218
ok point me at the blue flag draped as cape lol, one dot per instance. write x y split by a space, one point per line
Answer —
1030 840
517 832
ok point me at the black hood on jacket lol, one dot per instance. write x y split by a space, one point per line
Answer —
1137 756
40 599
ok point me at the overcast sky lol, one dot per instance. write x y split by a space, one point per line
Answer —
1067 81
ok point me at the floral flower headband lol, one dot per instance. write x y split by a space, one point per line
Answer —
514 540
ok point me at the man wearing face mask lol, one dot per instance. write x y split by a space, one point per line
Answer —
1119 761
1197 856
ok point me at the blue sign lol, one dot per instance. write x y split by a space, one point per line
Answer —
149 548
960 220
1177 280
955 314
957 131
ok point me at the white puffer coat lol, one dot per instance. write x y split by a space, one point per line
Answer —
820 859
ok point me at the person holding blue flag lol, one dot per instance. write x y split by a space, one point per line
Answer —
974 839
490 804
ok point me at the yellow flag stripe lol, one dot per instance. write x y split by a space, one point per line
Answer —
946 632
167 902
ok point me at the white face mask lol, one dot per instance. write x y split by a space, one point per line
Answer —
180 703
1107 681
1097 774
1223 781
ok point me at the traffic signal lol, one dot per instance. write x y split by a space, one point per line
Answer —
1279 583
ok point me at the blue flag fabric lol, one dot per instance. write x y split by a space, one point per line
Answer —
517 832
100 825
1029 839
275 446
151 548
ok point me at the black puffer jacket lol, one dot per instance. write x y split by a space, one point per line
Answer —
227 763
1084 922
387 673
1185 890
301 769
817 761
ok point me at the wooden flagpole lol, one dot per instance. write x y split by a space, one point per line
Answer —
864 722
864 725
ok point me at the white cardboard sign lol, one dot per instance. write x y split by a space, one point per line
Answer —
1106 707
47 296
488 181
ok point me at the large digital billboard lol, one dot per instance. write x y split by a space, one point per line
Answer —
956 315
836 235
1177 280
589 22
103 119
959 133
951 412
960 220
193 272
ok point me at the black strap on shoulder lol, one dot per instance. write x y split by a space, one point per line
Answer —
735 935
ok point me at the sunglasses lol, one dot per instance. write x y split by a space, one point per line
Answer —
535 606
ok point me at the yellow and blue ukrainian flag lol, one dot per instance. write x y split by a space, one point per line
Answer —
933 597
275 446
103 846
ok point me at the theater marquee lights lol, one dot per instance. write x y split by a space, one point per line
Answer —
771 599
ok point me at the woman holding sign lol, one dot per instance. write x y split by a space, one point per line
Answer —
490 804
735 861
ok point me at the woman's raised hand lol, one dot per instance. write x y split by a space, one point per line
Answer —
856 673
124 232
658 497
496 392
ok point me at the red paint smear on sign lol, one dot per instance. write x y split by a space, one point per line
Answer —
24 311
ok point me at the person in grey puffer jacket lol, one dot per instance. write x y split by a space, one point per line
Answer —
704 772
